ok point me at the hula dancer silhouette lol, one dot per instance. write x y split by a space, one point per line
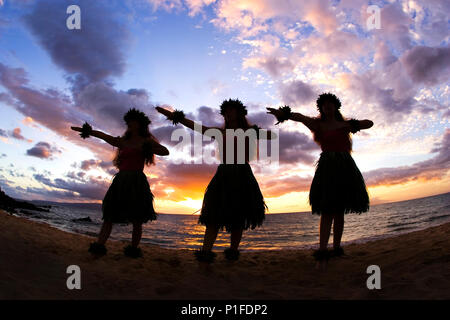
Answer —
233 200
129 198
338 186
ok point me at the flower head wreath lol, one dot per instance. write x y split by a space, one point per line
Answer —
233 103
136 115
328 97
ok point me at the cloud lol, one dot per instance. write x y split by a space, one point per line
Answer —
394 87
98 103
185 175
76 176
16 133
91 188
49 107
250 17
315 41
216 86
435 168
167 5
383 55
336 47
395 26
321 16
43 150
163 134
394 103
46 194
274 66
431 22
28 121
209 117
95 51
15 173
296 147
10 189
106 166
107 106
90 57
277 187
446 114
186 180
426 65
261 119
196 6
297 93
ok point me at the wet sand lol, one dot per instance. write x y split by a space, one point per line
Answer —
34 258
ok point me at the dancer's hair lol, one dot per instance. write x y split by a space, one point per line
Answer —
241 112
324 97
139 116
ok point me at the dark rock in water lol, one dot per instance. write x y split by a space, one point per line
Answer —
26 212
87 219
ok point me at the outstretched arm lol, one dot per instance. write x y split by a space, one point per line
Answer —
157 148
311 123
356 125
365 124
185 121
114 141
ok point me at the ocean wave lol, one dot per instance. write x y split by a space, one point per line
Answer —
403 224
280 231
434 218
403 228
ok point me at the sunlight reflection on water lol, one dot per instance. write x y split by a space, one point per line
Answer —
279 231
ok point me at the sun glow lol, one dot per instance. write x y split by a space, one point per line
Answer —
191 203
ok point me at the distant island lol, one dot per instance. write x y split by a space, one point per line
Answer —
11 205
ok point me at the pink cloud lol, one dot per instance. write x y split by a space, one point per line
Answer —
428 65
16 133
277 187
297 93
43 150
435 168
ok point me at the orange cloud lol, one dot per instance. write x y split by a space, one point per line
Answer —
318 13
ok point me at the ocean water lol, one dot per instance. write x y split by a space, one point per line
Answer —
279 231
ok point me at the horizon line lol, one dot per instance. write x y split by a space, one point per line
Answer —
195 213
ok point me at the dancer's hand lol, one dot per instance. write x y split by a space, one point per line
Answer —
275 112
86 130
165 112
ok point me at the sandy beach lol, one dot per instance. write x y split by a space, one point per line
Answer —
34 258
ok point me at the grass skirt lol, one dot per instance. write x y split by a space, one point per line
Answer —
338 185
129 199
233 199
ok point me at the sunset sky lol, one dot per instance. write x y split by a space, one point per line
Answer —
193 54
